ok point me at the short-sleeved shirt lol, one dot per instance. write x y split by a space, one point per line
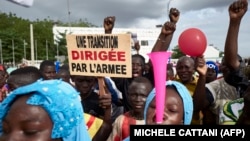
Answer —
222 91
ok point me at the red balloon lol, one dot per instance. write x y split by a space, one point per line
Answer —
192 42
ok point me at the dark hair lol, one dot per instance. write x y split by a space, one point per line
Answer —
141 79
141 57
144 80
46 63
26 75
183 58
26 70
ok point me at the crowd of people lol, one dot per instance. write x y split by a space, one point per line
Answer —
49 103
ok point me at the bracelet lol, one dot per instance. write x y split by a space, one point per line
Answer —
161 40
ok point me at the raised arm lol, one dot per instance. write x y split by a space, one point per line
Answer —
236 11
108 24
199 96
167 31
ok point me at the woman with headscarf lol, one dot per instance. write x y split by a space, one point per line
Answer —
44 110
178 107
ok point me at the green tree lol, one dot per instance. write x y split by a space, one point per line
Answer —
221 54
62 44
15 31
176 53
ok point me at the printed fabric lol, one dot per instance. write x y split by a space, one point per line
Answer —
121 127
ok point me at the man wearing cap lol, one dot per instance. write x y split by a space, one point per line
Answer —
212 71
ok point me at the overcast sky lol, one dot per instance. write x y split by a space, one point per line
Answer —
211 16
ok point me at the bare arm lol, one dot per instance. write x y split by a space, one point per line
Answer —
105 99
199 96
103 133
236 11
167 31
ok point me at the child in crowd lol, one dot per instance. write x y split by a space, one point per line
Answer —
23 76
137 93
48 69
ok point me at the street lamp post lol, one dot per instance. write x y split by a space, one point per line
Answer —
36 50
31 45
13 52
24 49
47 57
69 15
1 51
57 51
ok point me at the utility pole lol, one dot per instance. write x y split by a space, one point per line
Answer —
24 49
47 57
69 16
36 50
1 51
13 52
32 45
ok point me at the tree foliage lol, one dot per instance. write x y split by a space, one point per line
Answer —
176 53
15 38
